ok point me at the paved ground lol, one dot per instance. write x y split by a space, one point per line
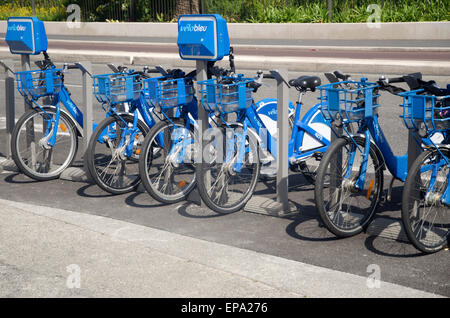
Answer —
297 238
84 255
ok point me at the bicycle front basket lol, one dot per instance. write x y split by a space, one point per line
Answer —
351 101
229 95
167 92
37 83
117 88
433 111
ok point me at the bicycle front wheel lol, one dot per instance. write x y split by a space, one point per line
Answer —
425 218
344 208
110 162
30 147
225 186
167 161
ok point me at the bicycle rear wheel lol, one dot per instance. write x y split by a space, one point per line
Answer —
167 162
344 209
29 145
426 220
221 187
111 168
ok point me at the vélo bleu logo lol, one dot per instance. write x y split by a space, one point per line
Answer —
193 28
17 27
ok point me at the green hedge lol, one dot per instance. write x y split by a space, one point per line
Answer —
286 11
261 11
53 13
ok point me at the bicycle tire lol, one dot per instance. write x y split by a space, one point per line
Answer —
147 161
421 238
203 169
63 155
94 159
374 191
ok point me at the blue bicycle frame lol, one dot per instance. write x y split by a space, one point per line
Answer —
64 97
251 117
397 165
188 112
136 107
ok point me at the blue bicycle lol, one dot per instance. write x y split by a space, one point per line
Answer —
228 176
115 146
426 195
45 138
349 180
167 158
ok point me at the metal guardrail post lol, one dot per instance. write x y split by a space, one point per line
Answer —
30 139
336 162
25 62
8 66
414 149
202 67
281 76
88 118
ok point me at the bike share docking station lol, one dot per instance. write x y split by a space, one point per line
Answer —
26 36
204 38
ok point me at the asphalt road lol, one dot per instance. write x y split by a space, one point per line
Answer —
244 49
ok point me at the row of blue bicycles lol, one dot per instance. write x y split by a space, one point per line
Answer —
152 134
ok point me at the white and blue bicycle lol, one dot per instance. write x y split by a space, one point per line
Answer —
227 177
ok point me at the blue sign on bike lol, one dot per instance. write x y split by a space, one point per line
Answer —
203 37
26 35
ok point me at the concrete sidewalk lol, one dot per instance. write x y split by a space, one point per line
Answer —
42 249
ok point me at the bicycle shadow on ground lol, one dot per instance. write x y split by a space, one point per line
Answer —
143 200
96 192
395 205
308 227
19 178
391 248
194 211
